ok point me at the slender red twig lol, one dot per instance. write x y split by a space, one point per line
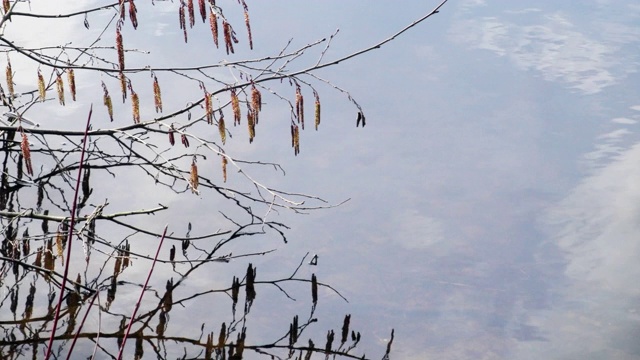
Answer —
69 237
146 283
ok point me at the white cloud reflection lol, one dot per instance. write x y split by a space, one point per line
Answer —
551 44
596 227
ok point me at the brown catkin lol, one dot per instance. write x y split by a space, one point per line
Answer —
26 153
228 36
60 89
235 105
59 249
157 96
193 179
248 24
213 22
135 105
251 125
120 49
123 85
72 84
300 106
106 99
296 140
224 168
256 101
317 112
221 129
9 74
6 6
42 90
208 107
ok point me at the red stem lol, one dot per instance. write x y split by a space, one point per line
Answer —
69 238
135 310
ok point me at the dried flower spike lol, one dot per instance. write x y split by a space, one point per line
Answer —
42 90
6 6
106 98
213 23
9 74
72 84
60 89
157 96
26 153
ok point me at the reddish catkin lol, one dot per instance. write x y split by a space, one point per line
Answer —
228 42
213 23
183 23
60 89
121 10
106 99
203 10
246 21
26 153
184 140
72 84
133 14
235 105
172 138
120 48
135 105
9 73
157 96
42 90
192 13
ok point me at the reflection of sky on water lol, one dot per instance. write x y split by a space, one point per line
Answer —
494 190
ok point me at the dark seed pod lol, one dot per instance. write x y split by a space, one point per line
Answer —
172 139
